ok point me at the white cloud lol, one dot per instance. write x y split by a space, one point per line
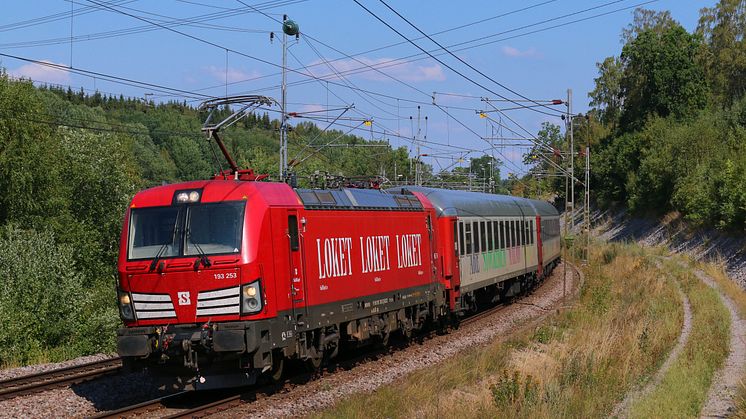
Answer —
42 73
311 108
402 70
234 74
515 52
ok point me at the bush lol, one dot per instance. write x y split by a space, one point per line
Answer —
43 303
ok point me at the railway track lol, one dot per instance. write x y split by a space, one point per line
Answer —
61 377
173 406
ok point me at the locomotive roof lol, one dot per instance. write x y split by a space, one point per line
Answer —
476 204
357 199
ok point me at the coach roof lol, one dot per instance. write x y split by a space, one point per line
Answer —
477 204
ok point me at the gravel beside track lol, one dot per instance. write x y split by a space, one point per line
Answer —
84 399
369 376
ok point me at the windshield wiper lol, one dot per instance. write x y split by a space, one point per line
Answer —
202 255
164 246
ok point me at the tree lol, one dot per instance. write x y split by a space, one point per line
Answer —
661 76
647 20
723 29
606 97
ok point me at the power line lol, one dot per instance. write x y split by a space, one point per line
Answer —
354 71
421 56
450 53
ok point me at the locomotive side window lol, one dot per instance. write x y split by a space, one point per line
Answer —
293 232
467 235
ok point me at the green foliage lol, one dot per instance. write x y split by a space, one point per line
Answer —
43 301
515 390
679 141
661 76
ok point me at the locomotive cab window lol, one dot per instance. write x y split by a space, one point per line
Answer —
214 228
154 231
185 230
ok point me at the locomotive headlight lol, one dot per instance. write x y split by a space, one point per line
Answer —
125 306
182 197
193 196
251 298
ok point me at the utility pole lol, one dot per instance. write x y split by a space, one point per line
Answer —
572 159
587 203
418 163
291 28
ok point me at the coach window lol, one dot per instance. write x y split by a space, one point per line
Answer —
476 236
467 235
524 232
531 233
521 233
490 238
501 235
513 240
461 238
458 237
482 236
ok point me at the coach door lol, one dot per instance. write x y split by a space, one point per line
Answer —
297 281
539 248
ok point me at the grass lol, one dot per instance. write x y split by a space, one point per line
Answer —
580 363
684 388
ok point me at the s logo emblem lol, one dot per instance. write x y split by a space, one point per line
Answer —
184 299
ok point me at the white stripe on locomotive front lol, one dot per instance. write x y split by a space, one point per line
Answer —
228 292
151 297
219 310
219 302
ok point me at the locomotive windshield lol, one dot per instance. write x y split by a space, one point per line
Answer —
186 230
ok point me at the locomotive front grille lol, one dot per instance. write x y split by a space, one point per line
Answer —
153 306
219 302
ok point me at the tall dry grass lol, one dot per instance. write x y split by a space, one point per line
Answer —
578 364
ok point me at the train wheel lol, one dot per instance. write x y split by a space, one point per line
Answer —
314 360
278 367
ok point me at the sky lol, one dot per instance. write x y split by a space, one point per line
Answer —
500 54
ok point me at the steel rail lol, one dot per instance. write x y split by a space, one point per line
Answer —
35 383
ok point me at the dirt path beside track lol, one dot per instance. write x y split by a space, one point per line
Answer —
721 397
622 409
